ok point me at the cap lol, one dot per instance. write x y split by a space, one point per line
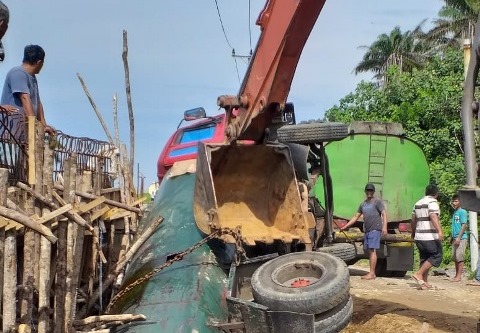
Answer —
370 187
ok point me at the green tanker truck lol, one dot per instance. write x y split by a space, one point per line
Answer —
373 152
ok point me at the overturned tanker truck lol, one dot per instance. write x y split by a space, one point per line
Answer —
233 252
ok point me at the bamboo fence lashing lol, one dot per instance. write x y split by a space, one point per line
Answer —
62 271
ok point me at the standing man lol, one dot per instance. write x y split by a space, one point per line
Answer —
21 89
4 19
427 233
375 224
459 237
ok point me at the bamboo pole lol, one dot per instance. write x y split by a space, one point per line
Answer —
129 102
3 202
125 318
94 106
123 261
107 201
71 215
44 308
61 277
28 222
70 262
9 269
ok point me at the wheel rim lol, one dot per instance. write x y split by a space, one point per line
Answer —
298 274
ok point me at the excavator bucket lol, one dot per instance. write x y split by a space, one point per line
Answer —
251 186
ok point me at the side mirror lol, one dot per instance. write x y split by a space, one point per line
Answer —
194 114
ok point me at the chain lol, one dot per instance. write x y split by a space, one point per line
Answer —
239 254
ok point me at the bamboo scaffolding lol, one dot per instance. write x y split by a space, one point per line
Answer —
107 201
123 261
44 283
61 270
71 215
28 222
71 235
9 270
3 202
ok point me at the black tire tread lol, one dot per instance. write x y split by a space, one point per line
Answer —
344 251
312 299
336 319
312 132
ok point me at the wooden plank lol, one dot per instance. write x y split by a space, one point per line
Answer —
53 214
3 222
12 225
109 190
92 204
118 215
139 201
100 212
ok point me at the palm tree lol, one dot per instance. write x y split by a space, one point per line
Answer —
405 50
456 22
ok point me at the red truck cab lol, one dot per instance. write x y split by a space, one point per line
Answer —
182 145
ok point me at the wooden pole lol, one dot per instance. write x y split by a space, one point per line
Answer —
3 202
94 106
44 283
61 278
107 201
28 222
123 261
129 102
126 318
69 196
73 216
9 269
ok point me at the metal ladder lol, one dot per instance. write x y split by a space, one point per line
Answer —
376 161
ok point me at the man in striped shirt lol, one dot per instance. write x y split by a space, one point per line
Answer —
427 233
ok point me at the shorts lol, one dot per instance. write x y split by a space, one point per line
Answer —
458 252
431 251
371 239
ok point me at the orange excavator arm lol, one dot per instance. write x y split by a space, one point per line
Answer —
285 25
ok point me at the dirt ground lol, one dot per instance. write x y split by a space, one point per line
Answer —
396 305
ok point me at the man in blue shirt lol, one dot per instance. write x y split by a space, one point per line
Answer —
20 88
375 225
459 237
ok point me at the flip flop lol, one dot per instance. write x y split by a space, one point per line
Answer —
419 282
424 286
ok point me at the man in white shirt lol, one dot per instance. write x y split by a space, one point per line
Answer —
428 235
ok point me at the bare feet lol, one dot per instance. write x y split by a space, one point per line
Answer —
473 283
368 277
456 279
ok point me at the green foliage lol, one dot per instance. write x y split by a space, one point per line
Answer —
427 103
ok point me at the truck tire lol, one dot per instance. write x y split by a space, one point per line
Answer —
336 319
312 133
344 251
326 284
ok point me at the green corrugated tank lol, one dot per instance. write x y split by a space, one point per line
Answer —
186 295
377 153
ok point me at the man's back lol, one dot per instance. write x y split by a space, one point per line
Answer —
422 209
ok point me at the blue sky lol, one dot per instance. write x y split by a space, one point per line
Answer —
179 58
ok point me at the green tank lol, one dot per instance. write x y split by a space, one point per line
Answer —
185 295
377 153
